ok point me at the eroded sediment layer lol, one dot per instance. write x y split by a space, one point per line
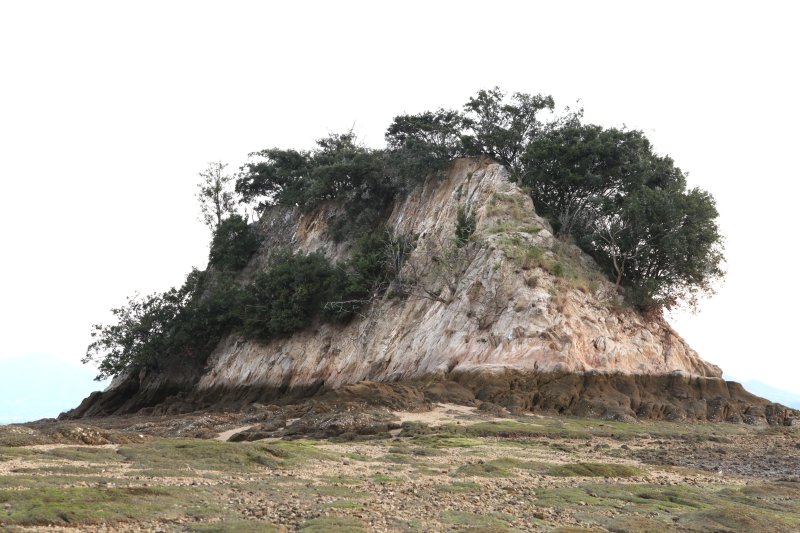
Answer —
615 396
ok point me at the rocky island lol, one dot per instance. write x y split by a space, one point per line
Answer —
504 329
463 331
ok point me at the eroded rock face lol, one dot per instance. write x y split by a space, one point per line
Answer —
502 311
513 299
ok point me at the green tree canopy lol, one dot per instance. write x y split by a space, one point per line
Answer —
491 125
278 179
629 208
425 143
502 128
215 195
285 298
144 330
573 170
664 244
337 167
233 244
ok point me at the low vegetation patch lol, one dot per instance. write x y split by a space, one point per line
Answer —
508 206
513 226
235 525
593 470
475 522
8 452
471 476
459 487
440 440
339 524
84 453
501 467
176 457
90 505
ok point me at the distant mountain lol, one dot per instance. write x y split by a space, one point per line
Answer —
787 398
38 386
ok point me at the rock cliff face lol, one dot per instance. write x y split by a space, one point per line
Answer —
512 301
502 311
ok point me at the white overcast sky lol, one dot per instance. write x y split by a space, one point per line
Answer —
108 111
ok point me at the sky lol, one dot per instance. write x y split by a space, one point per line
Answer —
109 110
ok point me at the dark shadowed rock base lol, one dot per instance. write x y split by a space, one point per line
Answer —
674 397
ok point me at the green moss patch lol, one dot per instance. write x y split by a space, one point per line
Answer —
383 478
86 453
488 469
42 479
473 520
734 518
341 480
459 487
513 226
336 492
90 505
8 452
176 456
444 440
593 470
507 429
62 470
329 524
233 525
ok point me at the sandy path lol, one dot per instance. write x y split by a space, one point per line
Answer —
443 413
226 435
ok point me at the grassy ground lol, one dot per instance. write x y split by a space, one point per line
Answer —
466 473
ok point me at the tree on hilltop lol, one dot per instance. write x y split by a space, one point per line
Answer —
426 142
630 209
215 195
502 128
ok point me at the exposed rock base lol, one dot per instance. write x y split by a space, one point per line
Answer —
613 396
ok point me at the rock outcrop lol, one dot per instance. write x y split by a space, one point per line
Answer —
512 302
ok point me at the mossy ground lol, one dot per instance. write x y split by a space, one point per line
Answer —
475 474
